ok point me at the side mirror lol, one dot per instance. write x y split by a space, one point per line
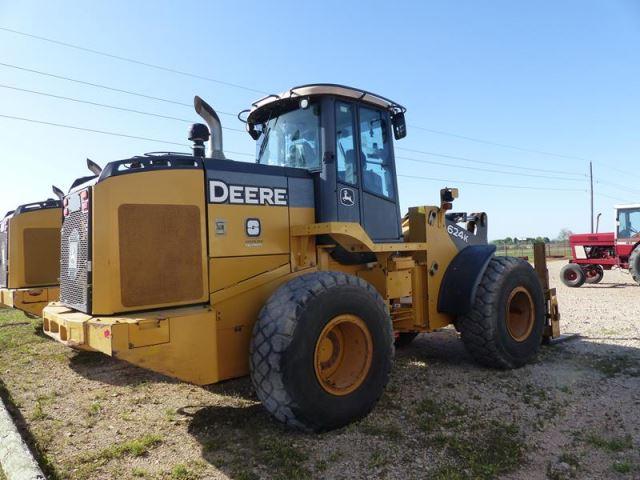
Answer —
255 134
399 126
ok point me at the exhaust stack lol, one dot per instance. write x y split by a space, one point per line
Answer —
94 167
58 193
215 127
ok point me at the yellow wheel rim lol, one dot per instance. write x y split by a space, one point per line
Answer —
343 354
520 314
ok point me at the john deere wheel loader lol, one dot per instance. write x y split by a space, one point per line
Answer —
297 269
30 256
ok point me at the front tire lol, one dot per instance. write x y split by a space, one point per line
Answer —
504 327
572 275
321 351
634 264
593 274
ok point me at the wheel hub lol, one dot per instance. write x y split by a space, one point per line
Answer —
520 314
343 354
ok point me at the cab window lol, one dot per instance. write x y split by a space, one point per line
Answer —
346 144
292 139
377 175
629 223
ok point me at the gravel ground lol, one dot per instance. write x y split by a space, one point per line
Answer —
570 414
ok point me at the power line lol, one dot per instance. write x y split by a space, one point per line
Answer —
251 89
502 172
106 132
499 185
473 160
521 149
611 197
617 185
106 87
104 105
138 94
132 60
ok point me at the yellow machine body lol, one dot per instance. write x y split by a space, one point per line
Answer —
31 258
164 212
167 260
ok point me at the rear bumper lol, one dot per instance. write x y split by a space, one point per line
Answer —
29 300
179 342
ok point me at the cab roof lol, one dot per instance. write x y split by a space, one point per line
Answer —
260 107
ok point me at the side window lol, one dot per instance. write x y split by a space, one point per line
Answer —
376 156
345 144
629 223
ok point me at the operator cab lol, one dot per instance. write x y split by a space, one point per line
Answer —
628 221
344 138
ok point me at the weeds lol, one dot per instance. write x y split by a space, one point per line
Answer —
135 448
615 444
284 459
622 467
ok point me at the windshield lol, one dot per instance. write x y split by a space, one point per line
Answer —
292 139
628 222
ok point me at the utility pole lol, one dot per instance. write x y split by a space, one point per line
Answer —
591 178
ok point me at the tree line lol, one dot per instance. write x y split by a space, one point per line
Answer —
563 236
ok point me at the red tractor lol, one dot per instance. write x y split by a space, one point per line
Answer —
593 253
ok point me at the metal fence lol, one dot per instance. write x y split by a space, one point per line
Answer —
556 249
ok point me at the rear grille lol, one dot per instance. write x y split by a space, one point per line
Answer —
4 254
75 277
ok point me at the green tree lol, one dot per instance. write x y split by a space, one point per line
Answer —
564 235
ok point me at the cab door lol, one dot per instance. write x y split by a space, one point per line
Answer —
379 209
348 170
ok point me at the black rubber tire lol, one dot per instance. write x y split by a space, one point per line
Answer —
404 339
572 268
597 278
283 345
484 329
634 264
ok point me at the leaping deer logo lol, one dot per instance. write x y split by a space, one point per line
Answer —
347 197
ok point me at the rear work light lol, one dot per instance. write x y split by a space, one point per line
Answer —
84 198
65 212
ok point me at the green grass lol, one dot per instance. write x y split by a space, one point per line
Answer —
482 451
611 366
134 448
180 472
282 458
434 415
611 444
622 467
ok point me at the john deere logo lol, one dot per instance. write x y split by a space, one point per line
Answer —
347 197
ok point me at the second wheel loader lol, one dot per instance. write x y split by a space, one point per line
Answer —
297 269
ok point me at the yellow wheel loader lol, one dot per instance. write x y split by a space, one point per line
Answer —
30 256
297 269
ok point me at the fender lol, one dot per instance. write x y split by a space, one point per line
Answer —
461 280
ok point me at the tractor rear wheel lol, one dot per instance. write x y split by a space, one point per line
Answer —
634 264
593 274
321 351
504 327
572 275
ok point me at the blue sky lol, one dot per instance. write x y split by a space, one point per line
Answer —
555 76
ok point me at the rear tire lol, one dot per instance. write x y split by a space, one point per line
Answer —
634 264
504 327
572 275
321 351
593 274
